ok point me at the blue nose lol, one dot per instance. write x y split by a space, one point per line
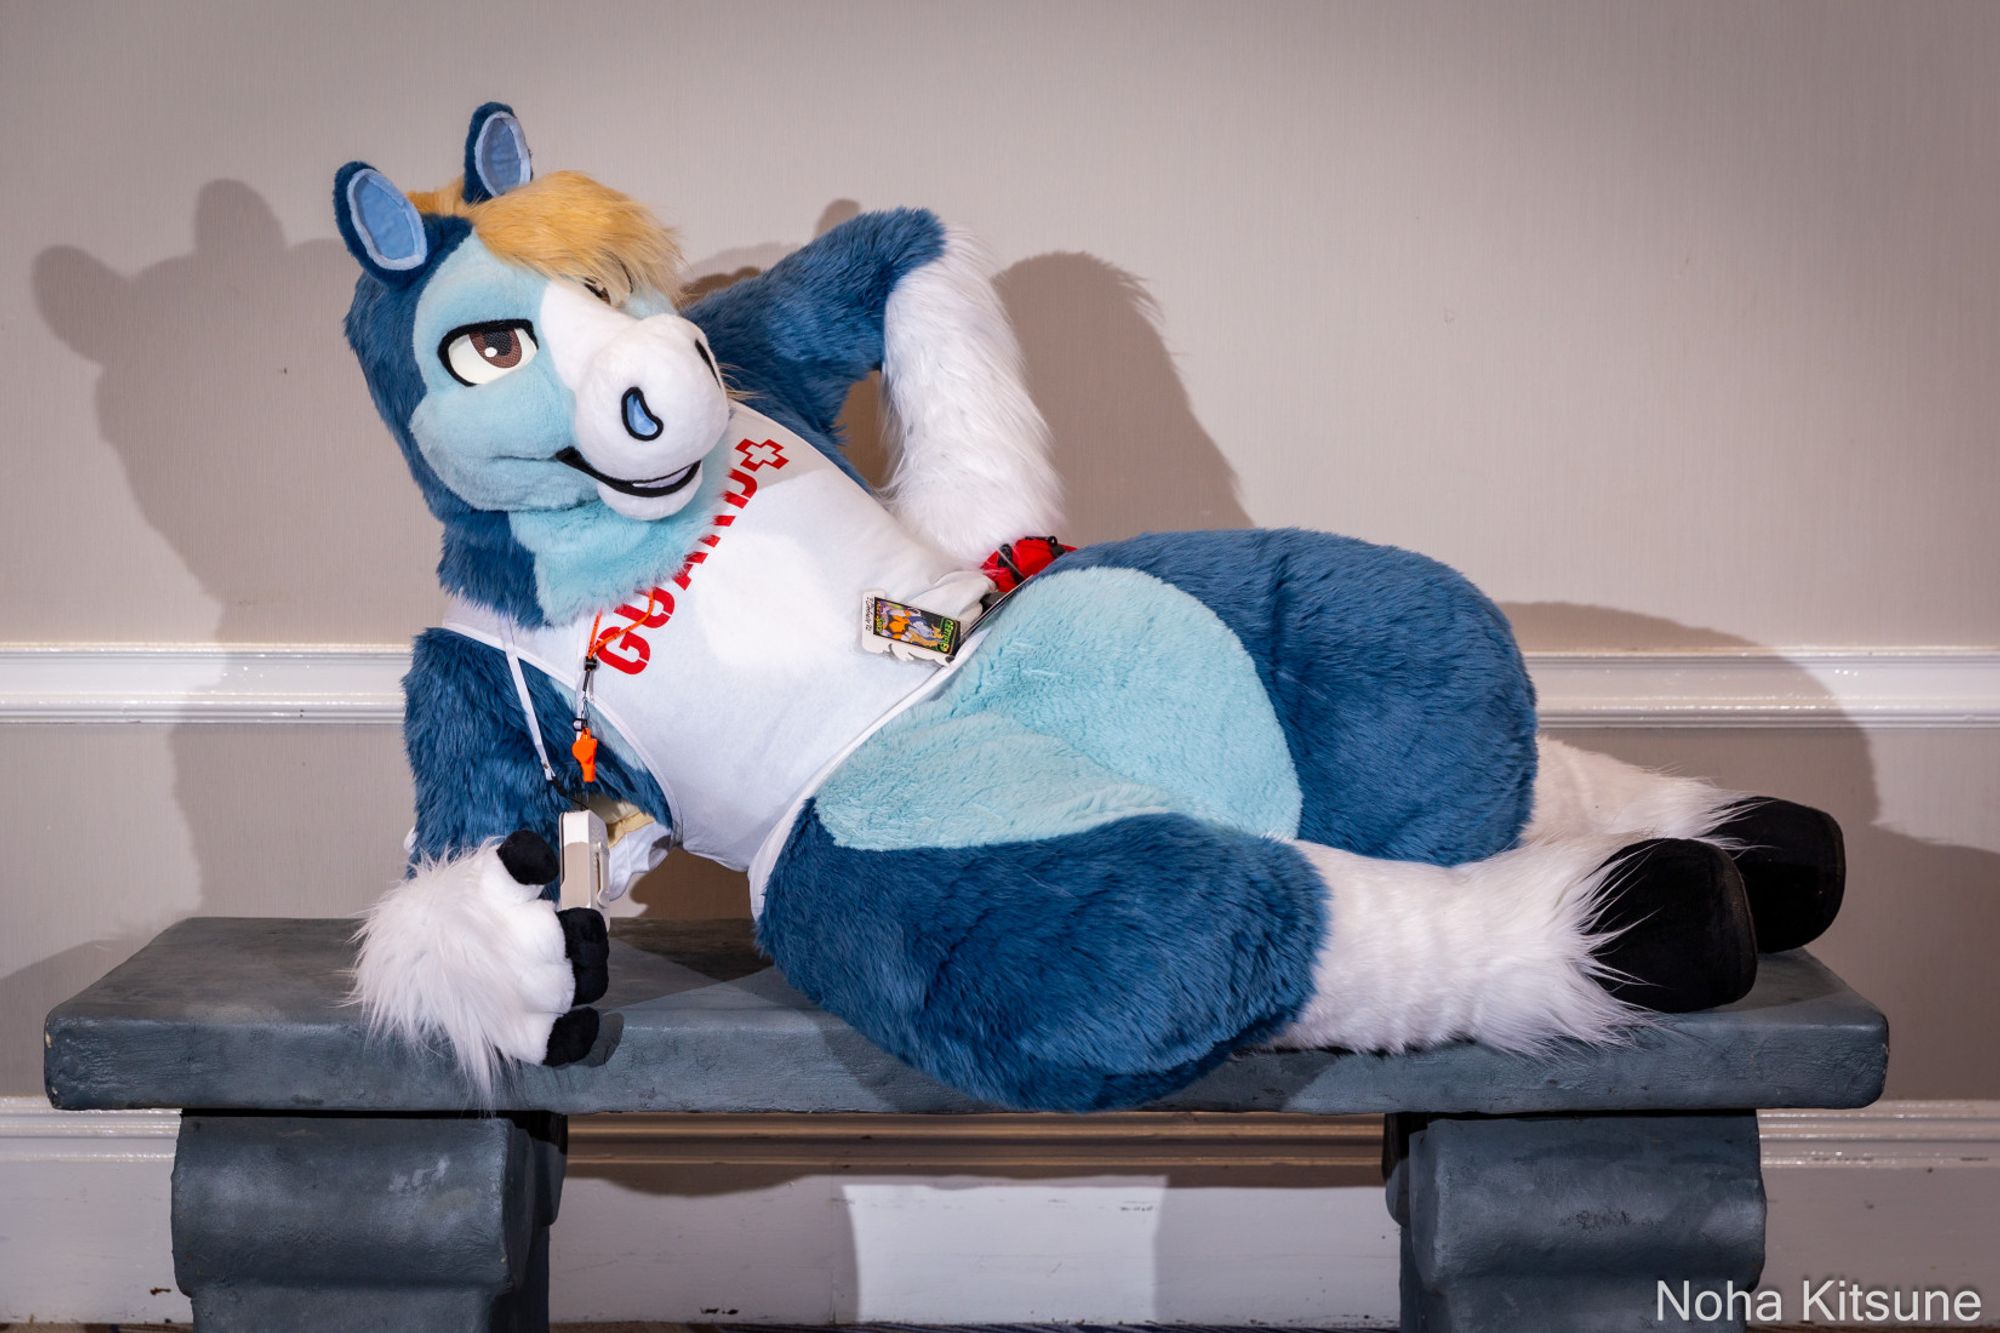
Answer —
640 423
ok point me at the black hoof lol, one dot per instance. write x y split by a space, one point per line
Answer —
529 858
588 945
1684 938
572 1037
1794 867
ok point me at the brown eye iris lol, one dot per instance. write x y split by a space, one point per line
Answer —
482 353
500 348
597 289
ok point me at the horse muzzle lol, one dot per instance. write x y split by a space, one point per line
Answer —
649 404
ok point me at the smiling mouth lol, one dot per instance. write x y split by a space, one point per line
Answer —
648 489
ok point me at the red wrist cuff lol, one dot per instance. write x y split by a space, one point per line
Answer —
1018 561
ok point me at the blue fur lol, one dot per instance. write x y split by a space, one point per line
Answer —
481 559
1408 710
1096 970
798 336
1077 710
484 561
476 771
380 328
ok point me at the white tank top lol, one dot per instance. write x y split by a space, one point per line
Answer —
748 682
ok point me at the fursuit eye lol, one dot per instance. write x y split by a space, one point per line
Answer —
482 353
597 289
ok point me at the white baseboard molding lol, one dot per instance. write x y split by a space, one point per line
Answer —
180 682
779 1220
360 683
1805 687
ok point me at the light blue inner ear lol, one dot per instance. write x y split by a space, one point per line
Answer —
386 221
501 154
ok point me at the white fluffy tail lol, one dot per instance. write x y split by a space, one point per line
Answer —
1498 951
463 951
1579 794
972 464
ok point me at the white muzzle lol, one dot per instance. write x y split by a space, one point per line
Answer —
649 401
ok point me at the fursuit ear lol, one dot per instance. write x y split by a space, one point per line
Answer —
496 154
381 226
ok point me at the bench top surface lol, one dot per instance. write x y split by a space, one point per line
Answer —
248 1012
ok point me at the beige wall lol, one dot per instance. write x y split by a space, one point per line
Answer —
1705 291
1672 325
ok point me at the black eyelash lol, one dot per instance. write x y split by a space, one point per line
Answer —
521 326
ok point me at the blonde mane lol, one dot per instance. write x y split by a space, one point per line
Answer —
566 225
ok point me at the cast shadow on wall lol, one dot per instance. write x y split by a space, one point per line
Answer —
248 441
244 426
1132 455
246 433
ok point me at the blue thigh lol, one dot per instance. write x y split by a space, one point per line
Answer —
1403 698
1095 969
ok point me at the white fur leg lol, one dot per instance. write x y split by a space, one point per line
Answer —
972 465
461 950
1578 793
1497 951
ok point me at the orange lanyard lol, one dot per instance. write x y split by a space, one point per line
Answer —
584 747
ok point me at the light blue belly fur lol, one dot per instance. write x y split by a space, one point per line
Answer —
1098 695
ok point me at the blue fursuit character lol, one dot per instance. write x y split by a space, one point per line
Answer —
1175 795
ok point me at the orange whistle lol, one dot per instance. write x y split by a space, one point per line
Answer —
584 747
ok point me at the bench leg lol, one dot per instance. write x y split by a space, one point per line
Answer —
1570 1223
404 1224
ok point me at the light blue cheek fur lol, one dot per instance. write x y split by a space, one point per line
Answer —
582 551
1079 710
490 443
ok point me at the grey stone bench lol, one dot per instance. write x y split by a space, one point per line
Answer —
326 1182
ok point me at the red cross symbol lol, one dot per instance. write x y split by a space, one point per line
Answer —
764 453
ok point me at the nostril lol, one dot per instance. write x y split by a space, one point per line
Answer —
640 423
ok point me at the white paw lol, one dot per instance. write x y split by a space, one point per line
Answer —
463 951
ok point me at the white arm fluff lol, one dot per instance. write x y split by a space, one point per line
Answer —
972 462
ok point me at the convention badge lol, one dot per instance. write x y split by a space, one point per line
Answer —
908 632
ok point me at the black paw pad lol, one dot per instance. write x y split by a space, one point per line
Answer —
1683 936
572 1037
529 858
588 945
1794 866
